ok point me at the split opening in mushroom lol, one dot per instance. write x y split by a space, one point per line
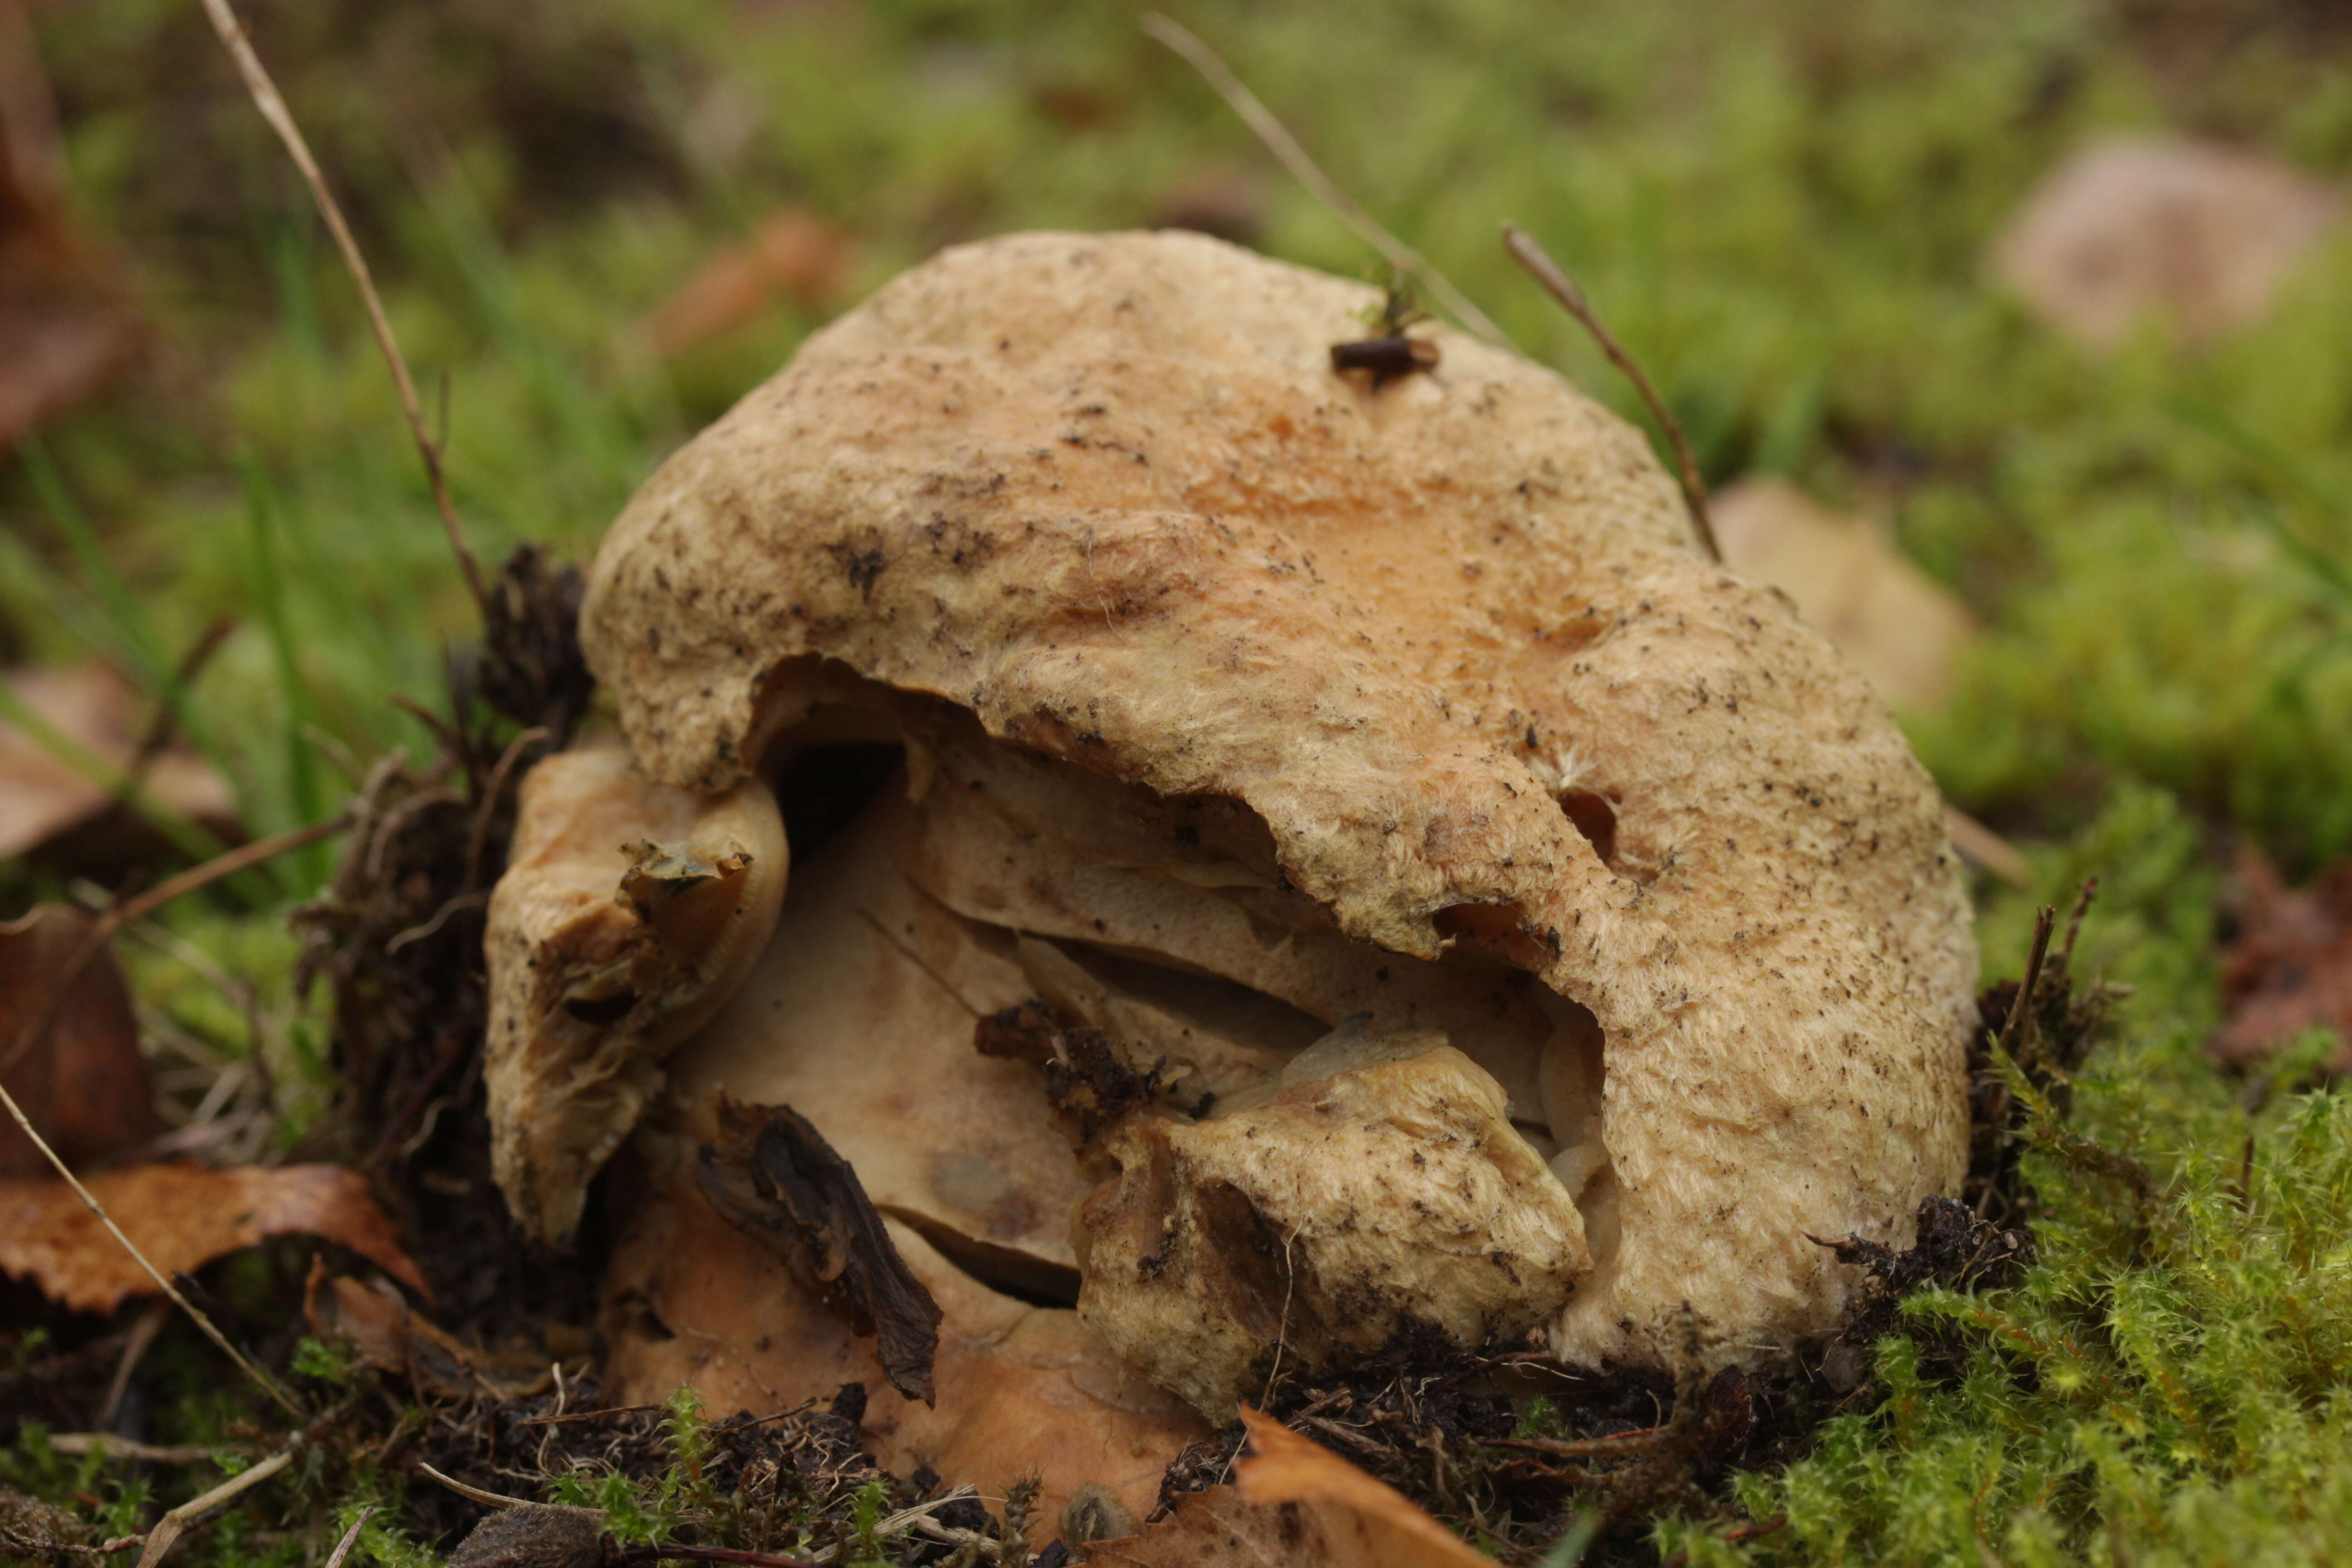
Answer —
1167 924
939 877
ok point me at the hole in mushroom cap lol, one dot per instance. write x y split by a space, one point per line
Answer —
1200 1001
822 788
1499 931
1594 815
600 1010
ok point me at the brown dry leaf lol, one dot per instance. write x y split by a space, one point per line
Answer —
1899 625
792 255
1297 1505
64 329
379 1325
182 1218
2200 234
1022 1390
42 795
2290 967
83 1083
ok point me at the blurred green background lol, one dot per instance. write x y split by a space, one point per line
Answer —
1783 209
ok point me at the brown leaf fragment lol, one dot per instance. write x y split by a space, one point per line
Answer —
792 255
1297 1505
1899 626
774 1176
82 1081
2290 967
1023 1390
43 796
384 1330
2200 234
65 327
182 1218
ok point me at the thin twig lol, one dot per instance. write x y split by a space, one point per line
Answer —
166 721
1284 146
109 1445
172 1525
590 1415
2012 1028
134 1347
244 857
1624 1443
474 1493
479 836
281 120
1989 849
269 1385
670 1553
124 911
1562 287
350 1538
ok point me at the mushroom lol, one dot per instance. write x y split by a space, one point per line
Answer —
1415 861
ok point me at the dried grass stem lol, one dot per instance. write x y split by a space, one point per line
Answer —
1562 287
273 109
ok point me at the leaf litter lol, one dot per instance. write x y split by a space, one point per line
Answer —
182 1216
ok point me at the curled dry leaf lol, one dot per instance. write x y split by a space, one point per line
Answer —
774 1177
2289 968
1113 658
1296 1504
43 796
1900 627
2200 234
377 1323
82 1084
182 1218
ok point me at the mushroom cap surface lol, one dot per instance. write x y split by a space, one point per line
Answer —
1446 638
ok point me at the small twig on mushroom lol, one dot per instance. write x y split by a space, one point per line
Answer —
1284 146
1562 287
281 120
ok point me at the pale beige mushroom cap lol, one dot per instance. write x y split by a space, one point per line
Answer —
1107 494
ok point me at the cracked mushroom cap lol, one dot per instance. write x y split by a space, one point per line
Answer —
1442 645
